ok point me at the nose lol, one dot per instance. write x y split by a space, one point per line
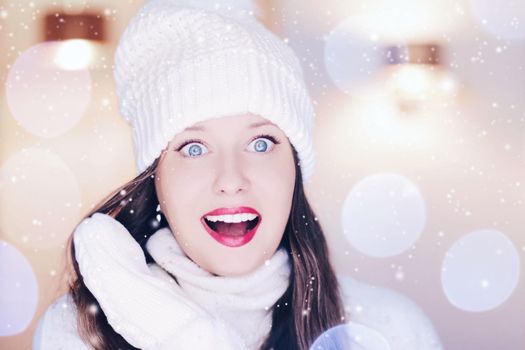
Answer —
231 175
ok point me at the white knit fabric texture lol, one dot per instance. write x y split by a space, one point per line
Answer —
154 312
147 311
377 317
241 301
178 64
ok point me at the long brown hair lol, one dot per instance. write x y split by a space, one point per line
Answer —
310 306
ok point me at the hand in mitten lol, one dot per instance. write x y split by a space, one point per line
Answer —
149 312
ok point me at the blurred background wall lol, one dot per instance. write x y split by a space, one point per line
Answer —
420 142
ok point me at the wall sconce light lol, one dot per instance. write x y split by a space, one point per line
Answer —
416 76
79 34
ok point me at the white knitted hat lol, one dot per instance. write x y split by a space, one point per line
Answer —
182 62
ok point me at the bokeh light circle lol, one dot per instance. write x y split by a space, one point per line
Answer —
480 271
39 198
351 59
505 20
45 100
383 215
18 291
350 336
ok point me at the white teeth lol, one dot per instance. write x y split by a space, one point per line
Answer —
231 218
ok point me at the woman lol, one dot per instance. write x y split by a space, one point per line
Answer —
214 245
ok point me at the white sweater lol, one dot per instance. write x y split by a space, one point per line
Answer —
377 318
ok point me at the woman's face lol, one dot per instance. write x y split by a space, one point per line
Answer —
227 169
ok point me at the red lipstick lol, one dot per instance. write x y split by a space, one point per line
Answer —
232 211
232 241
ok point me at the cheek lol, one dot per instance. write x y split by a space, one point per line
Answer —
279 173
177 191
275 185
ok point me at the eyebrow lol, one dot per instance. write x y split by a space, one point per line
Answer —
251 126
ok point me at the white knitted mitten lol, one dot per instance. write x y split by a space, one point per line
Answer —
149 312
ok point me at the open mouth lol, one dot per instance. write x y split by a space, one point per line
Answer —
234 229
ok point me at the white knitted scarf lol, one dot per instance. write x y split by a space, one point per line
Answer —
243 302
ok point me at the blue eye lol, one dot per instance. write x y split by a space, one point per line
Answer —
261 143
194 149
